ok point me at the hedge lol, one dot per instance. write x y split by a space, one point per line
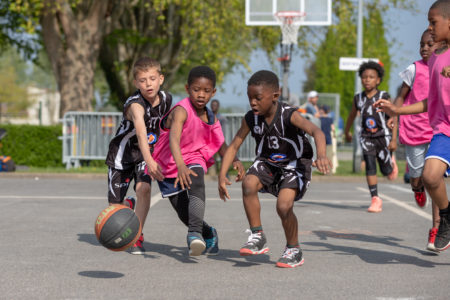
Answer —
33 146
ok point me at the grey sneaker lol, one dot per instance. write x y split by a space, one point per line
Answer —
196 244
256 244
291 258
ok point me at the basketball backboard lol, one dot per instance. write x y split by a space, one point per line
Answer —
261 12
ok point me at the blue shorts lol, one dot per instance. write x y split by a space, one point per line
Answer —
439 148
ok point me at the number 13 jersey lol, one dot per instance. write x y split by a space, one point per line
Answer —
279 143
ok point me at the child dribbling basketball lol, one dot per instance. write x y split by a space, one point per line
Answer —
130 151
282 166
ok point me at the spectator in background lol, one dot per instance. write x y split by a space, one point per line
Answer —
327 126
311 104
215 106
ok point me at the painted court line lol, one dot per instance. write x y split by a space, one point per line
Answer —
415 210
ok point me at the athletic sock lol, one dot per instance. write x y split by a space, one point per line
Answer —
207 231
256 229
293 246
373 190
420 190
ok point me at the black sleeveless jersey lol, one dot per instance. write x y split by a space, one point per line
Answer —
373 123
279 143
124 150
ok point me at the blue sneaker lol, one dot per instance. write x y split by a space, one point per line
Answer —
196 244
212 244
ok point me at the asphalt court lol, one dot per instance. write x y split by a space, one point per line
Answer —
49 250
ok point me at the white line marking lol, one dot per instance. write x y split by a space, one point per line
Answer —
155 199
415 210
399 188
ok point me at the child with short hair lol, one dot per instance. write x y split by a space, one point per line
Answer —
282 166
190 136
414 130
130 151
377 140
437 159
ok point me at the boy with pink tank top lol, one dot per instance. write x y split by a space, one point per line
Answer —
437 160
414 130
190 136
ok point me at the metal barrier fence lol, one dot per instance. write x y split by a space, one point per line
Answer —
86 135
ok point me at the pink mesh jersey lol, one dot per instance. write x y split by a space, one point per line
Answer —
199 142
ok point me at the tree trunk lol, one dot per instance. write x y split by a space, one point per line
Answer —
72 43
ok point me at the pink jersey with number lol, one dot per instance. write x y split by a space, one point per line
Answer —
439 94
415 129
198 143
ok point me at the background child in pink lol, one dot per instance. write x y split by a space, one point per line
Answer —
437 160
414 130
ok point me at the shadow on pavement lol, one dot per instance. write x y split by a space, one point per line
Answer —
375 256
100 274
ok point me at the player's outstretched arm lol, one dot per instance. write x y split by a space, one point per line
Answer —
404 90
177 119
237 164
136 114
322 163
392 110
228 158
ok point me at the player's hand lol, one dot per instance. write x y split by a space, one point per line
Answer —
392 146
446 72
348 136
239 167
223 191
184 177
323 164
154 170
386 107
391 122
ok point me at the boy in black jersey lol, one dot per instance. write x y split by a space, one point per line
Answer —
282 166
131 149
377 140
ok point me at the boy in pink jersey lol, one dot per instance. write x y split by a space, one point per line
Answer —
414 130
190 136
437 160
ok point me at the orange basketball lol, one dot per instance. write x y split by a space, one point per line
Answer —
117 227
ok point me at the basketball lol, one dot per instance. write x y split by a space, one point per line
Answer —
117 227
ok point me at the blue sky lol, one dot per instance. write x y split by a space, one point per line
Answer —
405 27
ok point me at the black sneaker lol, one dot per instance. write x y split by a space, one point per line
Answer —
196 244
131 201
442 241
291 258
256 244
138 247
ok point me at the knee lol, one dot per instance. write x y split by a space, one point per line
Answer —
431 180
249 186
284 210
143 189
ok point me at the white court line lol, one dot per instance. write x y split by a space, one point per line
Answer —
155 198
415 210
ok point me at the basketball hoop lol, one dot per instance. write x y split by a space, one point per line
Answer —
290 22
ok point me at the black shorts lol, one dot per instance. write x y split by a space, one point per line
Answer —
377 148
274 178
119 181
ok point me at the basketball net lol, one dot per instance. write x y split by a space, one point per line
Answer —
290 22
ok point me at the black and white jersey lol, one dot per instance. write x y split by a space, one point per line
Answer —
373 123
124 150
279 143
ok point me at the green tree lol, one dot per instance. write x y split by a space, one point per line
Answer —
340 41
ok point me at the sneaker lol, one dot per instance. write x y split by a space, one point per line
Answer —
196 244
291 258
256 244
442 241
131 201
376 205
138 247
394 172
431 237
212 244
421 199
